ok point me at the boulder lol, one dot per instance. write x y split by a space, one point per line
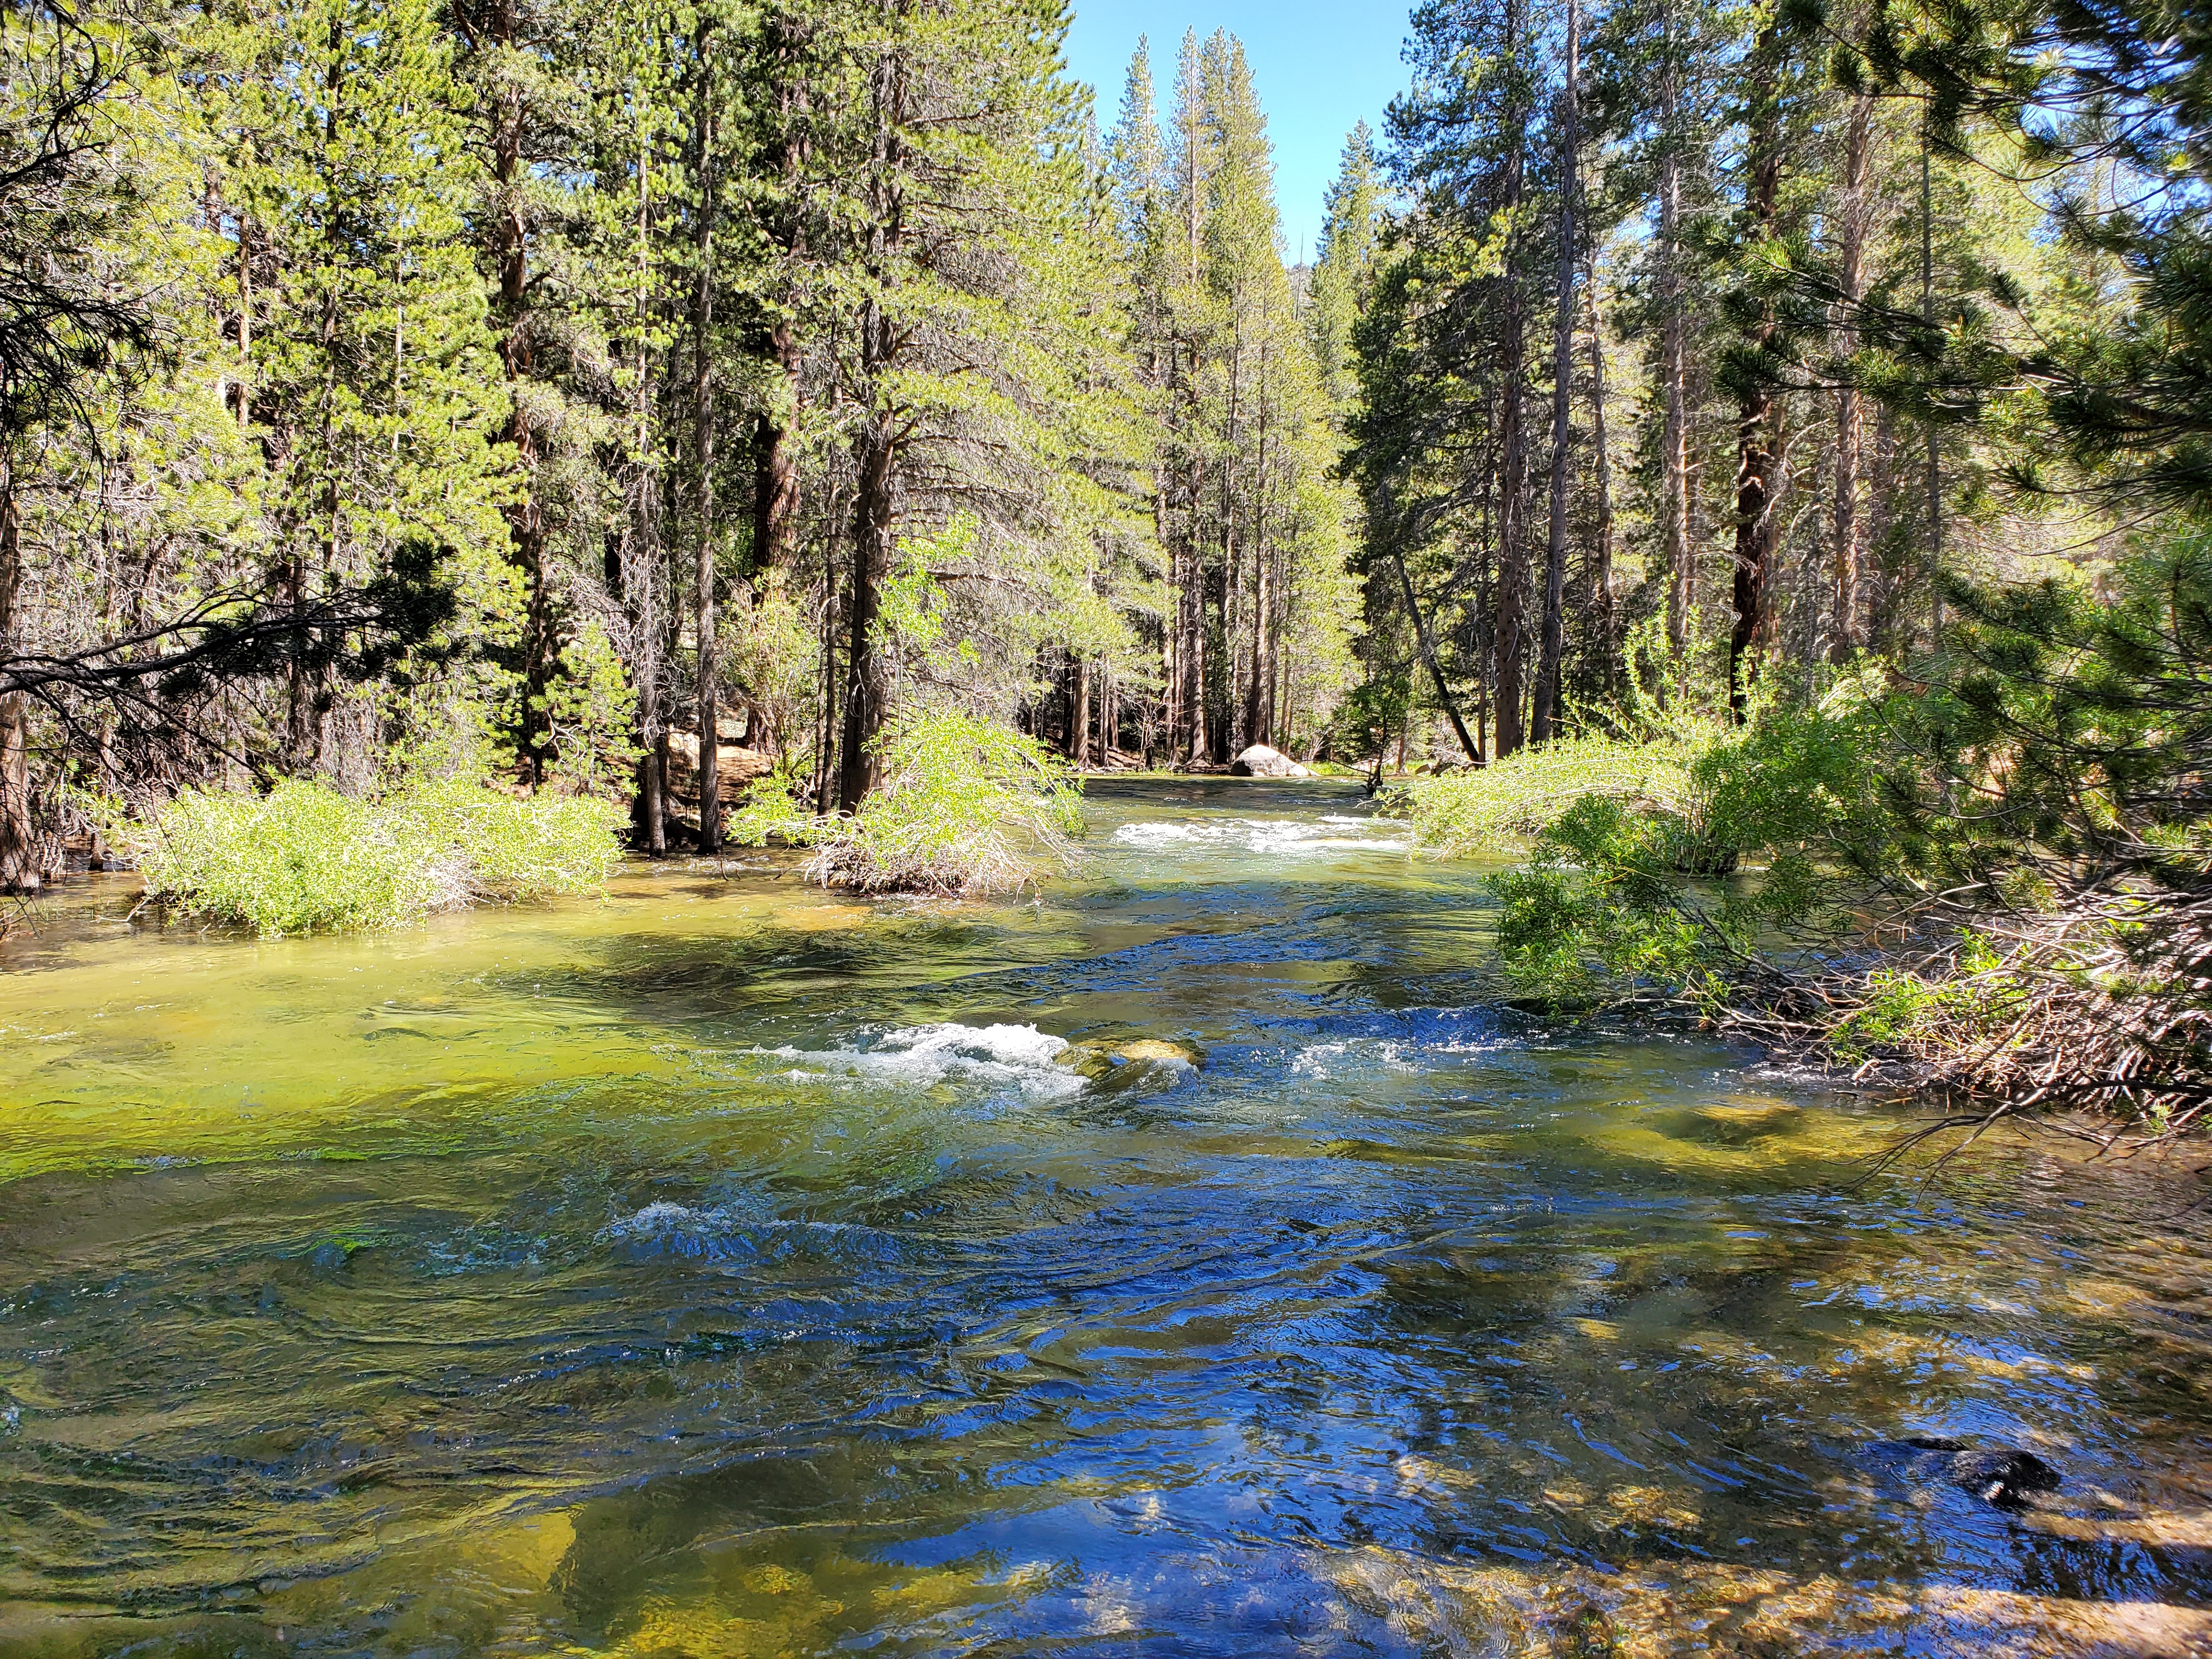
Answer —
2003 1477
1262 761
734 768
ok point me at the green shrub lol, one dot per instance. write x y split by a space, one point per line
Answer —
772 817
306 859
964 806
1613 901
1508 803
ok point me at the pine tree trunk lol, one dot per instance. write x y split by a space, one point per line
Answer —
825 769
1079 728
1512 550
1602 561
775 474
245 321
1844 636
1553 648
1673 367
19 872
1255 727
1881 489
1198 749
866 676
776 480
1759 459
1470 744
875 452
703 417
646 573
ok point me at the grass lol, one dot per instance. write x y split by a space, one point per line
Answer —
304 859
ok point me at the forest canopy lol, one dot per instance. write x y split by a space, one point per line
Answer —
578 397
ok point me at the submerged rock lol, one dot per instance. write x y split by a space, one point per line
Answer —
2003 1476
1175 1053
1139 1062
1262 761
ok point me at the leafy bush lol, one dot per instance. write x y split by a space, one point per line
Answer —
1611 903
1510 802
1674 719
772 817
306 859
964 806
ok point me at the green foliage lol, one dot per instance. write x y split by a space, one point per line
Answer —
772 817
590 710
2080 726
965 806
1497 808
1598 911
1903 1008
2046 790
306 859
1620 894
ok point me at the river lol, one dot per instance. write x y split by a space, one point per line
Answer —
1189 1260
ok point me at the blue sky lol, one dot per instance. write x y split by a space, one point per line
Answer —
1319 67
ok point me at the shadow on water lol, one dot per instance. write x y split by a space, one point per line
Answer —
1186 1260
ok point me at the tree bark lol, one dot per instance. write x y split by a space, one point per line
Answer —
1472 745
525 518
1759 459
1563 385
19 872
1601 559
1935 433
866 678
775 474
1844 635
1673 367
703 420
1078 733
1512 488
875 452
776 480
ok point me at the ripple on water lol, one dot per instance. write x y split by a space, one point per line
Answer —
713 1272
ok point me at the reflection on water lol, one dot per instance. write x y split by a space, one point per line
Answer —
1186 1261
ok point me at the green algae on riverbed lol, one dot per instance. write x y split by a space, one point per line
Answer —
728 1268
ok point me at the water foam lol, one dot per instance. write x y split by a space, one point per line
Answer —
1018 1057
663 1228
1265 836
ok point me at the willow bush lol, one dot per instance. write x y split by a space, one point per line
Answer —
306 859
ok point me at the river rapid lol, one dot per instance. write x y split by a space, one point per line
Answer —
1190 1260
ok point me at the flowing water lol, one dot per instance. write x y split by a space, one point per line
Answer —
1188 1260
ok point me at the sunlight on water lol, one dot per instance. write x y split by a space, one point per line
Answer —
1189 1260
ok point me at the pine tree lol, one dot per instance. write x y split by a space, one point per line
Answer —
375 374
1344 262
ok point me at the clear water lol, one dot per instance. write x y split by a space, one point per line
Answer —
729 1268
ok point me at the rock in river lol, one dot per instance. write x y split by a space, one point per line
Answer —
2001 1475
1262 761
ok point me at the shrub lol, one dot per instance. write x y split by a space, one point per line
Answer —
306 859
964 806
772 815
1510 802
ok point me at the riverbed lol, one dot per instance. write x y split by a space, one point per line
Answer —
1193 1258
